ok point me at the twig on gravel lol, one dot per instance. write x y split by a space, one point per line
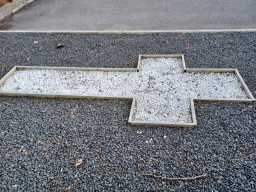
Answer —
176 178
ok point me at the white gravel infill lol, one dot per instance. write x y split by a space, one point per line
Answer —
162 89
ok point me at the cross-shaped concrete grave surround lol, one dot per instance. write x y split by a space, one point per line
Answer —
162 88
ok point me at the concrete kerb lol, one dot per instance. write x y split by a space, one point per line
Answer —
133 106
11 8
238 30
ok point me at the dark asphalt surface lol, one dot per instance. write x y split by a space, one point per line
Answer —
40 139
134 15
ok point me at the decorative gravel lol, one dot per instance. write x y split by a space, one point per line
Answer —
43 141
87 145
162 89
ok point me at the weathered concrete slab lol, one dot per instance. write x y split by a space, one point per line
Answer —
135 15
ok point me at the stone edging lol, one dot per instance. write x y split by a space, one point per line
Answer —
133 106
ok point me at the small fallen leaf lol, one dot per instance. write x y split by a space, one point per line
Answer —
67 189
78 162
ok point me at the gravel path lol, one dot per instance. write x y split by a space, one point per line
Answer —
75 145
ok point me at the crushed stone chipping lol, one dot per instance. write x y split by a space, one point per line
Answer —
161 88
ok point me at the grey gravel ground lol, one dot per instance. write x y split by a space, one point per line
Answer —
235 50
40 139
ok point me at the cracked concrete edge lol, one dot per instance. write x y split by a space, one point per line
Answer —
11 8
133 106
